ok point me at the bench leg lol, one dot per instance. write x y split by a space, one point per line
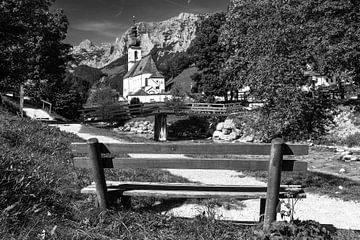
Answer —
262 209
126 202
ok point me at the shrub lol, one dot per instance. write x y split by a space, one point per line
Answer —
135 100
351 140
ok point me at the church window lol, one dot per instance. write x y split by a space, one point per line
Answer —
136 55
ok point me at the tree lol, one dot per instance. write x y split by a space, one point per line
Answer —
72 92
268 47
208 56
31 50
175 64
102 97
334 38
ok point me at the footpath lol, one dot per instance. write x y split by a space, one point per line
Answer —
326 210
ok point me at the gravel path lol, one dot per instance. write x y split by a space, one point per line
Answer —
342 214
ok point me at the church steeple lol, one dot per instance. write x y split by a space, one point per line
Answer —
134 50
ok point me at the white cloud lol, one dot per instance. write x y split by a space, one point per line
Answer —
105 28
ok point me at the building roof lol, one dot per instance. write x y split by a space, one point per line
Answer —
145 65
140 92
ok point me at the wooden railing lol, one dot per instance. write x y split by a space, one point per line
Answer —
125 111
44 103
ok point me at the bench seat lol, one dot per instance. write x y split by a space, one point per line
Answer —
194 190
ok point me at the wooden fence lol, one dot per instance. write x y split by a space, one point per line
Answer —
125 111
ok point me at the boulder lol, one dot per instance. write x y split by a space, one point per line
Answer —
217 135
230 137
226 131
229 124
220 126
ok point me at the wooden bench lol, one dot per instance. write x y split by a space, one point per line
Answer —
98 156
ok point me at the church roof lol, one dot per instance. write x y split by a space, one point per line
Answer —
140 92
145 65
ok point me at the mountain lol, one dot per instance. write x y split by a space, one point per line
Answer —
168 37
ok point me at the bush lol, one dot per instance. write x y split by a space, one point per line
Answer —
10 104
135 100
351 140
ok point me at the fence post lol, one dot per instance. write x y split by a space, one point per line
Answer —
273 185
160 127
98 171
21 100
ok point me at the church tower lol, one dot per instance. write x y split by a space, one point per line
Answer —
134 50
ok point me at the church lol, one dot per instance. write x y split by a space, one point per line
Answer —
143 80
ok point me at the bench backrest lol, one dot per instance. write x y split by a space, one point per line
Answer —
114 155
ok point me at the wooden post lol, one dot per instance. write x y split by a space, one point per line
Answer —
273 186
21 100
160 127
98 171
262 209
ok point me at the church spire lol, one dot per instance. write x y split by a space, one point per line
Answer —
134 49
134 40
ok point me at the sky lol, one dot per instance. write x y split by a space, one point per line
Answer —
104 20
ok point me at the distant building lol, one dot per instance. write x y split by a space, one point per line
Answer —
143 80
319 80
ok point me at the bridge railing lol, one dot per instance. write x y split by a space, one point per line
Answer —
124 111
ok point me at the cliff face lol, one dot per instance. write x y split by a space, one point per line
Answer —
169 36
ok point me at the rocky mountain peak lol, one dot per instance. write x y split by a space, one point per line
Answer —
86 44
172 35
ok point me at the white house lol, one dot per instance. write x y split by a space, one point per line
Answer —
143 80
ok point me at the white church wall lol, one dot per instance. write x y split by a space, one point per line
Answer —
157 83
151 98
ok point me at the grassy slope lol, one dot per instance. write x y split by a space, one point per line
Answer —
40 199
39 193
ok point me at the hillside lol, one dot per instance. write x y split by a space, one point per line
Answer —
40 194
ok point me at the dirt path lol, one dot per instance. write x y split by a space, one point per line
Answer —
342 214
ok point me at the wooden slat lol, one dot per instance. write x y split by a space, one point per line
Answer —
111 185
168 193
195 148
192 163
199 194
192 194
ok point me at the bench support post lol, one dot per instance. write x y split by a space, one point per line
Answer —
160 127
273 186
262 209
98 171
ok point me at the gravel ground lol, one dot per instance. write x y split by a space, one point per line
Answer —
342 214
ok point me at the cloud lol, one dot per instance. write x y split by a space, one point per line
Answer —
105 28
121 10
